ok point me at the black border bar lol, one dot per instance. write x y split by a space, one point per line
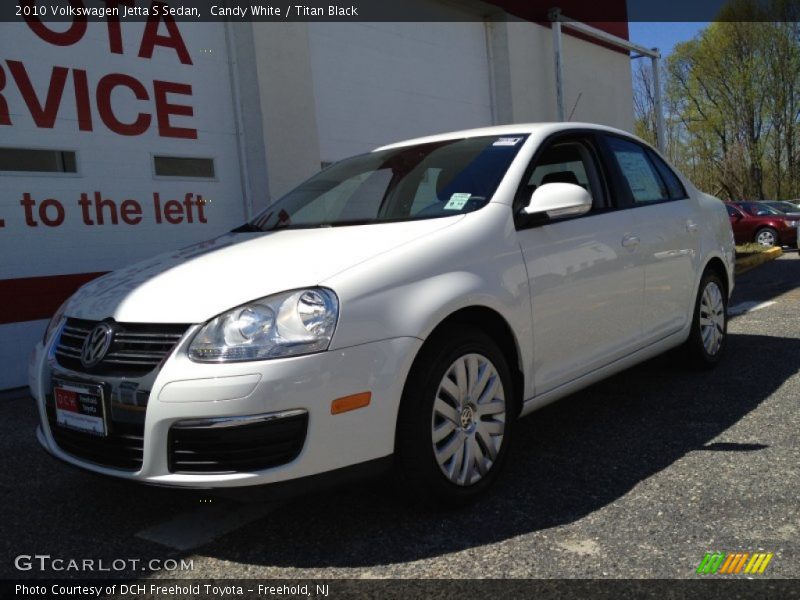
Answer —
237 11
706 587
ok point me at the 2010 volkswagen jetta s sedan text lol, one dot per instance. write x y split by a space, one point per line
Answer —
401 308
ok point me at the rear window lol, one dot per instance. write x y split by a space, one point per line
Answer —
674 185
644 181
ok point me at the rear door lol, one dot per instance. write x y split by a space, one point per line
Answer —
667 222
586 276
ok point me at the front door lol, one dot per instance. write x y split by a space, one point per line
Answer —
586 275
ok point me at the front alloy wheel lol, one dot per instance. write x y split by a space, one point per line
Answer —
456 418
469 419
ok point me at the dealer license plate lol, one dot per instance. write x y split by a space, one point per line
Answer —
80 407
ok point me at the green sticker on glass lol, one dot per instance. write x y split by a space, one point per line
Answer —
457 201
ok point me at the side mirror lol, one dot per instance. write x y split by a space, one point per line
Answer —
559 200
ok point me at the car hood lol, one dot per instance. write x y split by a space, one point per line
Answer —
196 283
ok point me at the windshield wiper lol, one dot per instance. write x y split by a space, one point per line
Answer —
345 223
246 228
249 227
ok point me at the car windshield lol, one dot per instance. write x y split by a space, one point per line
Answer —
423 181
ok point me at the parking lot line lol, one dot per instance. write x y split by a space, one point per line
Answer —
745 307
204 524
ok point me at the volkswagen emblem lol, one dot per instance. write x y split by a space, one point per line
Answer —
467 415
96 345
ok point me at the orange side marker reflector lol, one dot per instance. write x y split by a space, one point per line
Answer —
351 402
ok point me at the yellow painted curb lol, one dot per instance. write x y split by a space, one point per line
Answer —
751 262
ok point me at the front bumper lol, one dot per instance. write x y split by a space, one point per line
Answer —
184 391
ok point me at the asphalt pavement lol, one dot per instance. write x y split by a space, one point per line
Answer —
636 477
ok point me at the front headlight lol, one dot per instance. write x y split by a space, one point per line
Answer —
286 324
55 321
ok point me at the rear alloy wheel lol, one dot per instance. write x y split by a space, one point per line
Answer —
767 237
455 420
710 323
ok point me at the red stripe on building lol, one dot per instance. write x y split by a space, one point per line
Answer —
33 298
610 16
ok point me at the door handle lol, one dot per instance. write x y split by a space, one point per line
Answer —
691 226
630 241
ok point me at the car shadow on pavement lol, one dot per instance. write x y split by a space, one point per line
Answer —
567 461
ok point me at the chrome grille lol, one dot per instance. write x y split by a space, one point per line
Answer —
136 348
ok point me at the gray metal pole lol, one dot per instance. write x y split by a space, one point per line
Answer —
556 25
599 34
558 20
660 139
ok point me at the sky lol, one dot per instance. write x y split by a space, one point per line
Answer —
662 35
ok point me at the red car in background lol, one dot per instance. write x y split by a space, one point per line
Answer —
756 222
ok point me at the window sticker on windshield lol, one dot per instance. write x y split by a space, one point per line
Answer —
457 201
507 141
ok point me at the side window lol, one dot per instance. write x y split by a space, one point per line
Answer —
732 212
757 209
563 171
674 185
643 180
565 162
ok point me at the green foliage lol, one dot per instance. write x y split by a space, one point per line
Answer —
732 107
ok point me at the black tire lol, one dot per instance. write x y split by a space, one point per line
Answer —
418 473
697 352
769 231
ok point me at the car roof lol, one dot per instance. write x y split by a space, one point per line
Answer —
543 129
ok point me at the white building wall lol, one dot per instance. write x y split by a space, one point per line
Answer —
597 80
376 83
286 95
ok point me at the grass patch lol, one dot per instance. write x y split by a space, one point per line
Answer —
750 249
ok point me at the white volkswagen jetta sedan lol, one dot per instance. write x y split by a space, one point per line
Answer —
399 309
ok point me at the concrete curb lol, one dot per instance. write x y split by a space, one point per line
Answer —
754 260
